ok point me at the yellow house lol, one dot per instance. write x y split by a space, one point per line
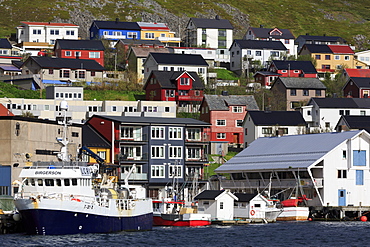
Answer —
158 31
330 58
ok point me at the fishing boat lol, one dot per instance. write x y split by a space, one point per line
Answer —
294 209
175 213
71 197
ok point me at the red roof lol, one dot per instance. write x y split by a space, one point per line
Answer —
4 111
49 24
341 49
358 72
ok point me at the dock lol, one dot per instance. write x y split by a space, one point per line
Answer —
341 213
8 224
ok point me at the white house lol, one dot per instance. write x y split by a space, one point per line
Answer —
332 169
218 203
175 62
243 52
211 33
47 32
253 206
285 36
363 56
209 54
272 123
324 113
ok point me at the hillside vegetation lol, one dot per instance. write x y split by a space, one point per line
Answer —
348 19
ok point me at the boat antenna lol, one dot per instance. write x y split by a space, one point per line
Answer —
63 154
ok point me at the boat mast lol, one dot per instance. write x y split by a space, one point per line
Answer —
63 154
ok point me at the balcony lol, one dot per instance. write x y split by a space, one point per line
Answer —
135 176
283 183
129 158
134 138
168 39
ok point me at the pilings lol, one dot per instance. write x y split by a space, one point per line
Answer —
339 213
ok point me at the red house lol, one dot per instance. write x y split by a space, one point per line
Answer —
80 49
186 88
226 114
282 68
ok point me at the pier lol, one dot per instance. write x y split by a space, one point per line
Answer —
346 213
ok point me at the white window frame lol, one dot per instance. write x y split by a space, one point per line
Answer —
158 152
238 121
220 122
131 152
237 109
149 35
175 152
175 133
68 53
221 135
94 54
157 171
175 171
193 153
194 134
336 57
157 132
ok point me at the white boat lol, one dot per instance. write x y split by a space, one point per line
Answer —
70 197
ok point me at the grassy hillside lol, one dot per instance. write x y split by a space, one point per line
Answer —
348 19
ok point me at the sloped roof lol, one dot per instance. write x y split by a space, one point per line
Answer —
322 38
301 82
209 194
222 103
179 59
361 82
117 25
153 26
80 44
9 67
358 72
318 48
266 73
281 118
166 79
155 120
141 42
91 138
260 44
341 102
265 33
245 197
212 23
5 44
51 62
341 49
144 51
294 151
357 122
49 24
306 66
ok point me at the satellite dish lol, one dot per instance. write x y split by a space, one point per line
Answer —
63 105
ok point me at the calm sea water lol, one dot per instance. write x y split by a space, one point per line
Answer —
274 234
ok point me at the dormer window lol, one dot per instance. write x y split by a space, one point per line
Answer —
184 81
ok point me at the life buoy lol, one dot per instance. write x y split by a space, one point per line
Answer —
76 199
252 212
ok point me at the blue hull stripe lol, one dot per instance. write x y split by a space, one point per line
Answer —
52 222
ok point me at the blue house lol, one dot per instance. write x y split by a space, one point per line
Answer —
114 30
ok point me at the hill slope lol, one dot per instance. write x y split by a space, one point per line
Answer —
348 19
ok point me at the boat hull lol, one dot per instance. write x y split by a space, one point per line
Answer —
294 214
180 220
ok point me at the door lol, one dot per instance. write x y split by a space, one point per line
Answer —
236 138
341 197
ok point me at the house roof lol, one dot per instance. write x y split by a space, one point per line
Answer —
117 25
222 103
260 44
341 102
49 24
9 67
209 194
306 66
266 73
166 79
265 33
322 38
91 138
155 120
153 42
144 51
179 59
212 23
301 82
317 48
153 26
51 62
285 152
5 44
80 44
245 197
358 72
273 118
361 82
341 49
357 122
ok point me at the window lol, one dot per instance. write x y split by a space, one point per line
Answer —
70 32
346 112
54 32
287 41
157 171
336 57
193 134
258 53
114 108
131 133
36 31
167 109
158 132
175 133
306 92
363 113
131 153
149 35
220 122
94 54
221 205
102 154
342 173
68 53
175 171
117 33
359 157
317 92
246 131
92 73
341 112
274 53
157 152
77 53
325 66
317 57
266 130
80 74
184 81
346 58
46 107
221 135
327 57
51 71
293 92
132 35
344 154
193 153
239 123
175 152
222 32
64 73
327 124
201 70
222 44
237 109
359 177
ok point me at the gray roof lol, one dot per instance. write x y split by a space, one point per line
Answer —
80 44
265 33
260 44
356 122
341 102
222 103
306 66
295 151
209 194
179 59
155 120
167 79
212 23
274 118
301 82
153 42
53 62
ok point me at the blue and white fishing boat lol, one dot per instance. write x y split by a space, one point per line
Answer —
71 197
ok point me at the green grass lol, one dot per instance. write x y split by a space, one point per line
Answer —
225 74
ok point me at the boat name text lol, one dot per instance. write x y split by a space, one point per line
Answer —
48 173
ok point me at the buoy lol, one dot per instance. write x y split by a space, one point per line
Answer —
309 219
363 218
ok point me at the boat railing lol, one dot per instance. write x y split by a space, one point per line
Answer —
57 165
51 195
282 183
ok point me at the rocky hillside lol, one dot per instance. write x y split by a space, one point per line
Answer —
348 19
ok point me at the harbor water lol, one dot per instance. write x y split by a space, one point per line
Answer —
354 233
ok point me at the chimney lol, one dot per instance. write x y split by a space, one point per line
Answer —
117 20
225 93
217 17
261 26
